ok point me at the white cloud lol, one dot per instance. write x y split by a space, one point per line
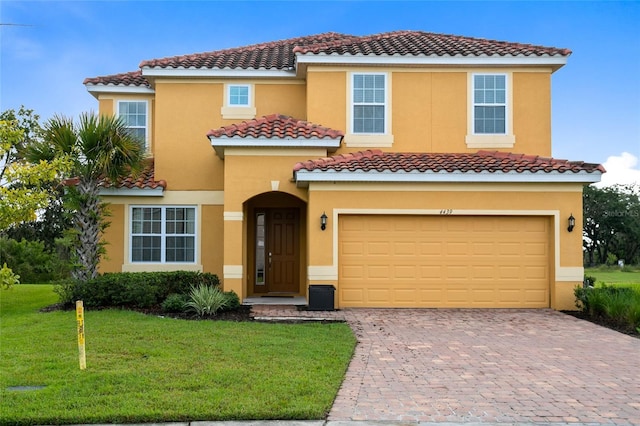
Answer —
622 169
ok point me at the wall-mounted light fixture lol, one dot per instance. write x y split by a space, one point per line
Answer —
323 221
572 223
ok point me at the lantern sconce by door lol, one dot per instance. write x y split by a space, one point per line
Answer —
572 223
323 221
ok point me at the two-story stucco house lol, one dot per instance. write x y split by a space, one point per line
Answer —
407 169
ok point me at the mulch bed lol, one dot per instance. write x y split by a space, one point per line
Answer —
243 313
604 322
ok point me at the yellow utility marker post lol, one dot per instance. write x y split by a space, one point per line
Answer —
80 318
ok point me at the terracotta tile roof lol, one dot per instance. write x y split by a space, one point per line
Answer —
281 54
420 43
133 78
144 180
272 55
482 161
277 127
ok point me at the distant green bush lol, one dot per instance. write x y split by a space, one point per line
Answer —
32 261
133 289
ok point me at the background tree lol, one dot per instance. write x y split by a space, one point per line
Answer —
611 228
51 221
99 147
24 187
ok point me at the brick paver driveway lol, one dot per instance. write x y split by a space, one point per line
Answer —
464 365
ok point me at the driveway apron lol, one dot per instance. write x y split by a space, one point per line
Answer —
466 365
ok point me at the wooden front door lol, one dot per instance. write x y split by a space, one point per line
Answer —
277 260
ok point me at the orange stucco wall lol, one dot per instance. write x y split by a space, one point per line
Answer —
114 235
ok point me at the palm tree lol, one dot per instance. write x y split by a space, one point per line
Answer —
98 147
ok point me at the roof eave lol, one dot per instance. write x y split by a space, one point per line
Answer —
304 177
220 143
132 192
555 62
97 89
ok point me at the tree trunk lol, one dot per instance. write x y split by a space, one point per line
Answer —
87 225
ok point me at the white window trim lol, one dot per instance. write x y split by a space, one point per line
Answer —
369 140
232 112
486 140
147 127
163 235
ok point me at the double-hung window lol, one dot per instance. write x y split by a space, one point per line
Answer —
163 234
490 104
490 118
135 116
369 103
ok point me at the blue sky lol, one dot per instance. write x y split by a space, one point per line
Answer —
596 96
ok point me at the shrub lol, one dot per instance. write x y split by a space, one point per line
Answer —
620 305
133 289
8 278
175 303
207 300
233 301
589 280
32 261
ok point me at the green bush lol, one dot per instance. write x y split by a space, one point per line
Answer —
620 305
590 280
206 300
175 303
133 289
8 278
34 263
233 301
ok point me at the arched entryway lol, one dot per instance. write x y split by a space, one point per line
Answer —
276 244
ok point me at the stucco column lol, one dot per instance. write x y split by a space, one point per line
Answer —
233 271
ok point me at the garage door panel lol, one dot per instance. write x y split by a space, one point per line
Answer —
436 261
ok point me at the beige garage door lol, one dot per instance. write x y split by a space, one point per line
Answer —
443 261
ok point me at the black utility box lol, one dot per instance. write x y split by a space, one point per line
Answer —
321 297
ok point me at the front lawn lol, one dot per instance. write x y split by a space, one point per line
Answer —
148 369
614 275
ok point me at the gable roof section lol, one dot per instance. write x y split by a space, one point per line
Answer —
128 82
289 58
274 131
271 55
144 184
482 166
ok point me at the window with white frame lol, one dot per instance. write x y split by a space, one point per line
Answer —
238 102
134 114
369 103
163 234
490 104
238 95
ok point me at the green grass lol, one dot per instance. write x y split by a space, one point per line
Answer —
615 276
149 369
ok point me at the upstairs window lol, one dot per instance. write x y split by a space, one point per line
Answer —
134 114
369 103
163 234
238 102
490 104
238 95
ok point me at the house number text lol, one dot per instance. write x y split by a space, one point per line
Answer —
446 212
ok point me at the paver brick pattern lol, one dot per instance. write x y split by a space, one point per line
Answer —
466 365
